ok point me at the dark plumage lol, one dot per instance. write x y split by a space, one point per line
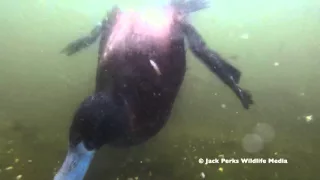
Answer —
139 75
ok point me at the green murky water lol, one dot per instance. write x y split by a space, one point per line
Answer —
275 44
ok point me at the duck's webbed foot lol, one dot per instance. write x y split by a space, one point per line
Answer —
189 6
227 73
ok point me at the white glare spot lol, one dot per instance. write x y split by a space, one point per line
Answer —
302 94
244 36
155 67
19 177
16 160
9 168
223 106
308 118
265 131
202 175
276 64
252 143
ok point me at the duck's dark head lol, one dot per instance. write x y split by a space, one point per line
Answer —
99 120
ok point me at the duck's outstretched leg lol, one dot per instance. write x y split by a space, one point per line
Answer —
225 71
84 42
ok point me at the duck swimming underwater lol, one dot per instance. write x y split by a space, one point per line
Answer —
141 66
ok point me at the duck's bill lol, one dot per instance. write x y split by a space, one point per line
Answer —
75 164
